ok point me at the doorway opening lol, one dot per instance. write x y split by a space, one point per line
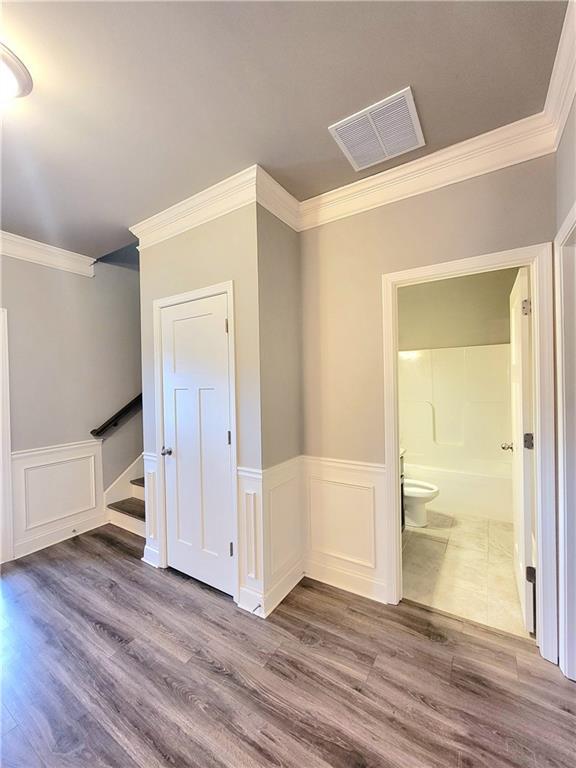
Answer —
464 393
537 261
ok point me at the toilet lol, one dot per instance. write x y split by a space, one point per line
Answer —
416 495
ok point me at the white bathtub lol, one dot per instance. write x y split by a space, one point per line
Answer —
467 493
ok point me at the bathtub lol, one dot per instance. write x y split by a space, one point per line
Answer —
467 493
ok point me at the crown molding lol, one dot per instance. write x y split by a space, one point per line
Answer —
249 186
562 88
17 247
518 142
215 201
273 197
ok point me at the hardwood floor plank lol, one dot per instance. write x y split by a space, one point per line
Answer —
108 663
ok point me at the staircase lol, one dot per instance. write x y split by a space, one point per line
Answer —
130 513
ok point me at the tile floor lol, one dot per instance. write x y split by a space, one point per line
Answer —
463 566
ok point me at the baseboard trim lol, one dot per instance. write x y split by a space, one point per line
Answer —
282 588
151 557
251 601
27 547
365 586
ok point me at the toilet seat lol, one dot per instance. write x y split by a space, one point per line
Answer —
418 489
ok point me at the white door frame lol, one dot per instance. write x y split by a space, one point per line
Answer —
7 519
566 517
158 305
538 258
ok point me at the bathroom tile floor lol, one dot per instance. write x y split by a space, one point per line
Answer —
463 566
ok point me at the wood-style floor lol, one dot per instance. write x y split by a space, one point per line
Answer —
108 662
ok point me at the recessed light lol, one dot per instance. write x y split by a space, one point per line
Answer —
15 80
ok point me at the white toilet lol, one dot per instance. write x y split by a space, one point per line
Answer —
416 495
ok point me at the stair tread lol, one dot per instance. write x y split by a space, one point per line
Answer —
132 507
138 481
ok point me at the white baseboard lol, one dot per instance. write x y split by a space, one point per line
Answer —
282 588
151 557
57 494
374 589
122 488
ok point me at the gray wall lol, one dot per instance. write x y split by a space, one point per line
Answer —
566 169
74 350
279 291
220 250
342 266
460 312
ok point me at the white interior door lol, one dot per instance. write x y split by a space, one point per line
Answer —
523 457
198 462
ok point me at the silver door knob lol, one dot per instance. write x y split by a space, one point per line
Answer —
507 446
166 452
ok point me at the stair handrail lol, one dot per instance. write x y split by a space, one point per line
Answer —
113 421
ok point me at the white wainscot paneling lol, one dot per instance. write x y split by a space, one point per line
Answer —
250 541
57 493
346 526
153 554
284 531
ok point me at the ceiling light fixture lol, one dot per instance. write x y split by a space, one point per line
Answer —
15 80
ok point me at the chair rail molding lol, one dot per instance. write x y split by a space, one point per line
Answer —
17 247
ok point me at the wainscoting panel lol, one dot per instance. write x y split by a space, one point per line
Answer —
250 541
57 493
344 510
152 551
284 530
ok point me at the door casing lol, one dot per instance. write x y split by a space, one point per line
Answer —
566 510
538 258
226 288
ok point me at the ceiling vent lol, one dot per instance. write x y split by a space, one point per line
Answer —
377 133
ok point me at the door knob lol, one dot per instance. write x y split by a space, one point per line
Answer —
166 452
507 446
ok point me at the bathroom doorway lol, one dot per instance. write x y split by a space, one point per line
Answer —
451 402
463 369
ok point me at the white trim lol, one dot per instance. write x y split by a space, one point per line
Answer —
23 248
524 140
6 521
66 447
539 260
158 555
566 516
273 197
224 197
249 186
562 88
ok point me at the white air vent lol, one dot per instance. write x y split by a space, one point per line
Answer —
377 133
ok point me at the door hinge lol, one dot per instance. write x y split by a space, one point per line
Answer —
231 549
226 325
531 574
229 437
529 440
526 306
